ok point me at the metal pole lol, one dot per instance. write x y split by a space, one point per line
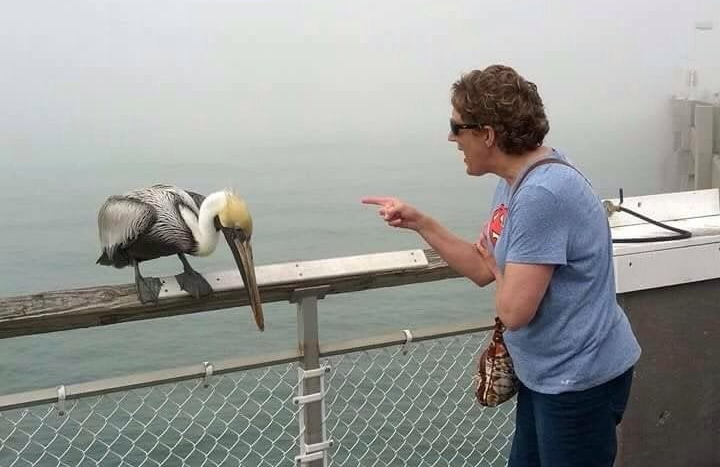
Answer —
311 421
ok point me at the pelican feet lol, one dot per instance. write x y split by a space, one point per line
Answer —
148 289
194 283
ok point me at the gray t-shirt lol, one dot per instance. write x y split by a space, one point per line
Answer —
579 337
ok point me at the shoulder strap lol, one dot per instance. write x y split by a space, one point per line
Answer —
547 160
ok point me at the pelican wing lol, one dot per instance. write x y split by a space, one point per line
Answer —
197 197
121 220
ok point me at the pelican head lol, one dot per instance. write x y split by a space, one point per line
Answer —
234 214
236 225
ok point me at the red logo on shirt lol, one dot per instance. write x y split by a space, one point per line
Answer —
497 222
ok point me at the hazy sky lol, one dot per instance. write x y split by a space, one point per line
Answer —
169 79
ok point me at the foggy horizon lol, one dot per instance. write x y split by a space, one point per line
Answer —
190 80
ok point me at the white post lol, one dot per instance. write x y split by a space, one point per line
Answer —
702 146
311 391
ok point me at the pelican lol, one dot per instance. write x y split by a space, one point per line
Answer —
165 220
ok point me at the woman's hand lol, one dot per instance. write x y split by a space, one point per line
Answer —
396 213
488 257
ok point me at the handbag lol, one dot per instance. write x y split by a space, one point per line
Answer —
494 380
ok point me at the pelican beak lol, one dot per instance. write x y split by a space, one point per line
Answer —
242 252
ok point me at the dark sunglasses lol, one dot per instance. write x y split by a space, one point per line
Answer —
455 127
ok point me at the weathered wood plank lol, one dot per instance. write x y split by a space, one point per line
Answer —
104 305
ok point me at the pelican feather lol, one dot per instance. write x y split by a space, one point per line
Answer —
147 223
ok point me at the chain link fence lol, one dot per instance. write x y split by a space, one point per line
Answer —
242 418
393 406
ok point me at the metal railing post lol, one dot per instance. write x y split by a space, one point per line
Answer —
311 383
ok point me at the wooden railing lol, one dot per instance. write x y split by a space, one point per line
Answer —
104 305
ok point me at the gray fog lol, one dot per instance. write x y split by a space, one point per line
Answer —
189 80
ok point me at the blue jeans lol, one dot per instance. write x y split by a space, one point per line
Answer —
569 429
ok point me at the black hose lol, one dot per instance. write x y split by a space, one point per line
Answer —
681 233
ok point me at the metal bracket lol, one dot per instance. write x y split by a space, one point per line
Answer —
61 400
316 451
318 292
408 341
208 373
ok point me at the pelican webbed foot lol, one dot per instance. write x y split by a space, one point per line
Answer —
192 281
148 288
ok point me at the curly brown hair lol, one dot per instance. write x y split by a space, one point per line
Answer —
502 99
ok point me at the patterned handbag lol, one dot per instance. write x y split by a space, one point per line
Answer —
495 381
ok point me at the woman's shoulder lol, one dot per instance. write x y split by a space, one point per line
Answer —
564 180
554 183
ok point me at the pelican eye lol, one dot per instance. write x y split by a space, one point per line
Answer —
237 233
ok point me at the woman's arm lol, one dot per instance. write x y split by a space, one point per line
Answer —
519 292
462 256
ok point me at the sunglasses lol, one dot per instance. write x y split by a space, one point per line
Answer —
455 127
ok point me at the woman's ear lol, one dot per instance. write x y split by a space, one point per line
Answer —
490 136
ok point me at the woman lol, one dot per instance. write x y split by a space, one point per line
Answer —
548 248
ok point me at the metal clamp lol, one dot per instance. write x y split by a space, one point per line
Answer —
611 208
208 373
408 341
61 400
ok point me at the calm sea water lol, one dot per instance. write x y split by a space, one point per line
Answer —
305 205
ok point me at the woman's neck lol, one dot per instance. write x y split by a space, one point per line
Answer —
512 166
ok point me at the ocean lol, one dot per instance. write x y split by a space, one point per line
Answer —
305 203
